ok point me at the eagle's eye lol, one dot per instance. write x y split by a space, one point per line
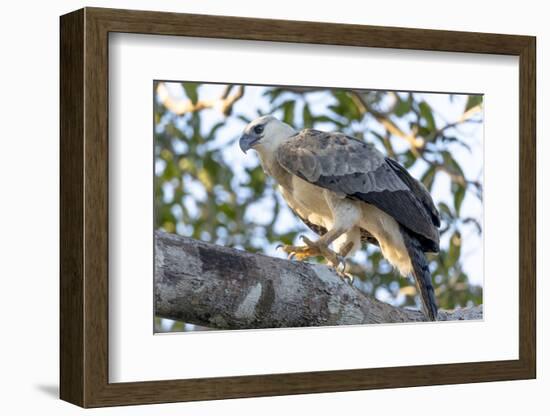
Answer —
259 129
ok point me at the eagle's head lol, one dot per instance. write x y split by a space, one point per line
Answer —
265 134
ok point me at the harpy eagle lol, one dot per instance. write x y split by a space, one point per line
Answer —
349 193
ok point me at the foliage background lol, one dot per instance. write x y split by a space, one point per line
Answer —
205 188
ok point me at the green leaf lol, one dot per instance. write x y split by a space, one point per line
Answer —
445 210
307 117
426 113
345 106
455 245
191 90
402 107
288 112
244 118
452 164
409 159
473 100
428 177
459 193
212 134
273 94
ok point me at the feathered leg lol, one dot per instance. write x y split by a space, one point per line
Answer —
345 216
346 245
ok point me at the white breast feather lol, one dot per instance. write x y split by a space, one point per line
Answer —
386 230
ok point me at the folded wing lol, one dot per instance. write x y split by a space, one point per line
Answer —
353 168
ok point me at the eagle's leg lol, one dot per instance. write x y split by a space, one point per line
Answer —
343 270
345 217
346 245
345 240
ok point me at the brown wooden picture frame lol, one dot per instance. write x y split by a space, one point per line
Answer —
84 207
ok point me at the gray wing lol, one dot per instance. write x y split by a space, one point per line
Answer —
356 169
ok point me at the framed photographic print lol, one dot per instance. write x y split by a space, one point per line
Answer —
255 207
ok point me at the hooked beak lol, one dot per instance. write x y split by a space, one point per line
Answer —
247 141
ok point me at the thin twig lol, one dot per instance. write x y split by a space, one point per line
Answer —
179 107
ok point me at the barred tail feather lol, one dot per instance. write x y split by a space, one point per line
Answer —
422 275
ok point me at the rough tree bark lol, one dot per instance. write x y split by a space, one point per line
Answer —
224 288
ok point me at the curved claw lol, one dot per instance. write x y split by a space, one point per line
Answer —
348 278
291 255
341 265
278 246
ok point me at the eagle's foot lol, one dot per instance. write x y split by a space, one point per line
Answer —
340 269
300 252
334 260
318 248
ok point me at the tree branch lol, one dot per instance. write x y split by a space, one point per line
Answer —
224 103
224 288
